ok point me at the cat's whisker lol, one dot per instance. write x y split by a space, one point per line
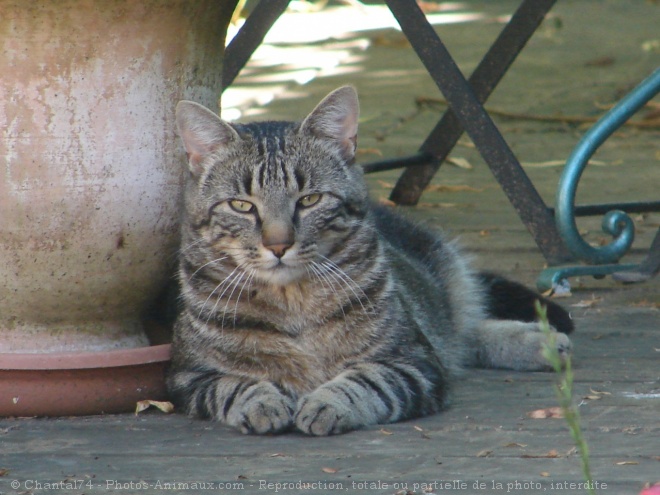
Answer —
235 283
231 284
348 281
324 280
313 274
217 260
349 294
318 274
217 287
333 280
187 248
201 309
179 253
248 283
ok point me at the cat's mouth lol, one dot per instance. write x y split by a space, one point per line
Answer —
280 272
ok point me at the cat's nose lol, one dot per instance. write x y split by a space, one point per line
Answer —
278 249
277 237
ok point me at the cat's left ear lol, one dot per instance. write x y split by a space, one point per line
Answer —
336 118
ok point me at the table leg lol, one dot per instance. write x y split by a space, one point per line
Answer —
472 117
249 37
484 79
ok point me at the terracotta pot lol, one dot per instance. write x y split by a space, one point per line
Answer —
73 384
91 166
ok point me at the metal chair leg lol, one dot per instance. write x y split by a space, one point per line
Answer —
249 37
477 123
616 222
442 139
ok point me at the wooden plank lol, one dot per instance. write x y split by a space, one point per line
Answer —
486 435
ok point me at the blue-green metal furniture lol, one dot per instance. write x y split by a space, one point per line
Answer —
602 261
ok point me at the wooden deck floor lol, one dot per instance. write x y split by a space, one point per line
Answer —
485 443
485 440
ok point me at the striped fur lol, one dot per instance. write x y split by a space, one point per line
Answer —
307 307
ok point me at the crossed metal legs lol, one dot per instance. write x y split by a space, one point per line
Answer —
466 111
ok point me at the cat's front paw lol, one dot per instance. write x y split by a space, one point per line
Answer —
537 340
321 413
262 409
562 344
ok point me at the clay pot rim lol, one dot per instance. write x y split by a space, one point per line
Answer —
85 360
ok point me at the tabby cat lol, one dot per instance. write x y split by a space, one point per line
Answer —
305 305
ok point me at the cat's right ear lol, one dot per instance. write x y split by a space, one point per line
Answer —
202 132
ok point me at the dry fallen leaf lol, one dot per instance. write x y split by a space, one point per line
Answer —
485 453
595 394
588 303
445 188
646 304
166 407
386 202
428 7
329 470
418 428
369 151
549 163
385 432
460 162
544 474
604 61
466 143
627 463
514 444
395 42
4 472
560 163
549 412
436 205
553 454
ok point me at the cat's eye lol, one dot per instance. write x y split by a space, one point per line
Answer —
241 206
309 200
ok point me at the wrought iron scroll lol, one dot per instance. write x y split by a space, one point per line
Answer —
616 222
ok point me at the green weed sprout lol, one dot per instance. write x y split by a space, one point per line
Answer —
564 389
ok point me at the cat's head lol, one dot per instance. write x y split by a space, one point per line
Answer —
272 198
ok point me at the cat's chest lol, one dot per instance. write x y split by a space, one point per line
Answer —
298 353
300 332
301 361
293 308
